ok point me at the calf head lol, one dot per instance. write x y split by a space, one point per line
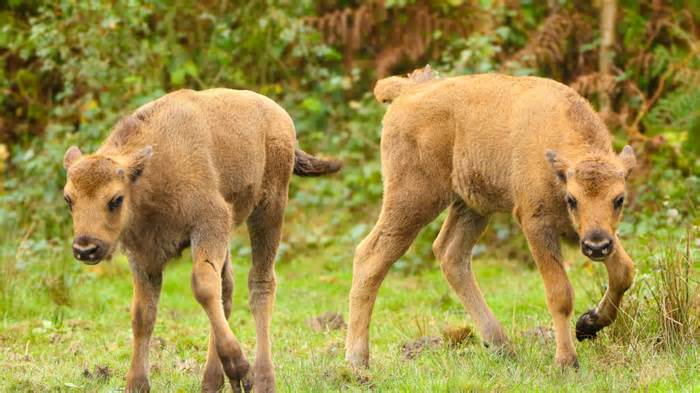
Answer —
594 192
98 194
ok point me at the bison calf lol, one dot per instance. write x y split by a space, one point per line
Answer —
184 170
483 144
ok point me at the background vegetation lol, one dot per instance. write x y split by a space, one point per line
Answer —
70 69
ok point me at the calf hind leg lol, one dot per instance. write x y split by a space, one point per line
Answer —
213 380
264 225
404 213
209 257
453 248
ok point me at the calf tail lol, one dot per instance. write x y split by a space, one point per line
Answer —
387 89
307 165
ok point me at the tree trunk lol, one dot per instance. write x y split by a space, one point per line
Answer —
608 12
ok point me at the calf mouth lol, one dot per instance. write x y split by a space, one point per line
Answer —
598 255
95 257
91 259
598 259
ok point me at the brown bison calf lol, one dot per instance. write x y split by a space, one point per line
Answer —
184 170
483 144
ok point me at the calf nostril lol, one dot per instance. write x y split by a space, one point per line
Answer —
84 251
598 246
597 249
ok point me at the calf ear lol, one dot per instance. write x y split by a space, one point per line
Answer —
71 156
138 162
629 161
559 165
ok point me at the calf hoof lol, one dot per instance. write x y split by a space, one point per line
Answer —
502 348
137 384
357 360
505 350
213 381
264 381
247 384
236 370
588 325
567 361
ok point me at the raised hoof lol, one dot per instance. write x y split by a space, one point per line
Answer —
241 386
237 372
588 326
247 384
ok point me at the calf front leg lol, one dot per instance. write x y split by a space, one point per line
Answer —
544 246
620 275
143 317
207 270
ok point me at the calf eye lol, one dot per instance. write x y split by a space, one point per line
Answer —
115 203
571 201
69 202
618 202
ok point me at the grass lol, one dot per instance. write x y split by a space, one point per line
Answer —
66 327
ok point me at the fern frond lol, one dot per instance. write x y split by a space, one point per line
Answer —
677 111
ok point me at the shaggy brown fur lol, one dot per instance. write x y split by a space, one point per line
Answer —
185 169
483 144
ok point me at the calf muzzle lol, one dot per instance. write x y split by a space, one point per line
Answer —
597 245
89 250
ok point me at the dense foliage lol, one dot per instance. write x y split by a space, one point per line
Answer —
70 69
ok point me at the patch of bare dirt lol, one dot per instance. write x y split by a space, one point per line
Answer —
326 322
410 350
101 373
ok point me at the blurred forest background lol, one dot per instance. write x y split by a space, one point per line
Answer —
70 69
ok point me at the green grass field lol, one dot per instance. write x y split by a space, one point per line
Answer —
67 328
